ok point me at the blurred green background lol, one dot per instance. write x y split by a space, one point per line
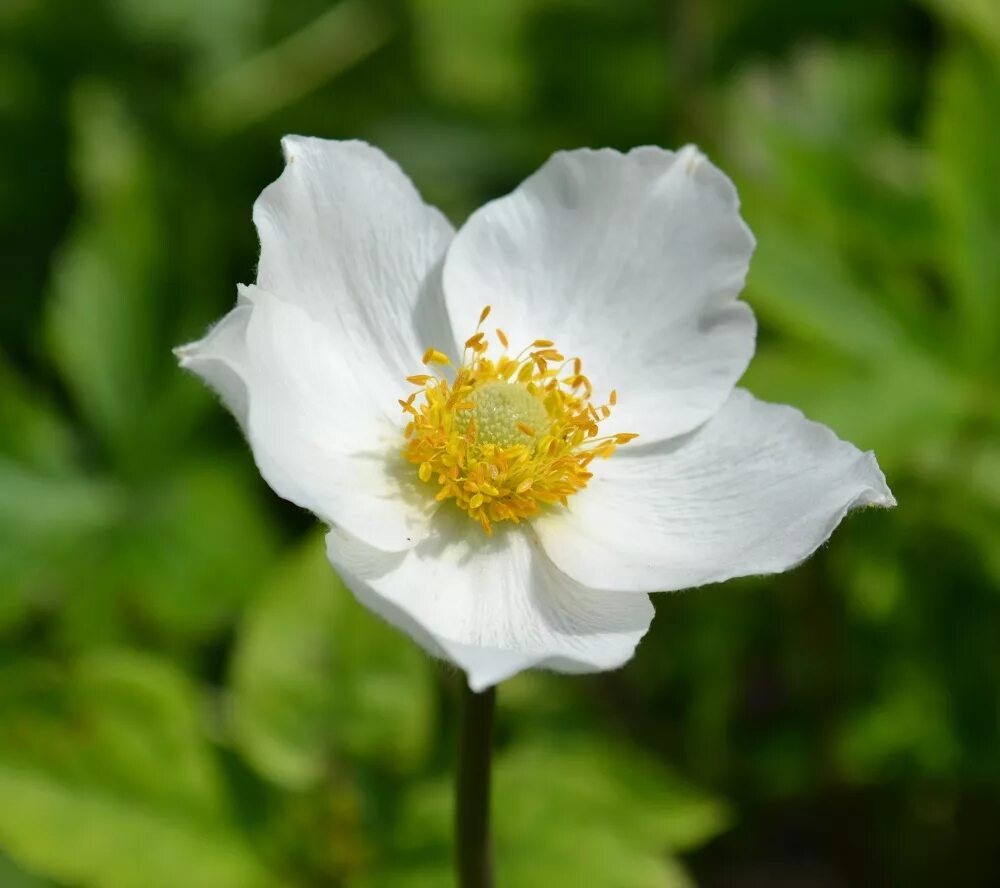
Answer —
188 698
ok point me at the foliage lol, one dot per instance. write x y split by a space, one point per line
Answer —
188 696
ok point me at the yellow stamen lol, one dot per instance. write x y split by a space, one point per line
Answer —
433 356
550 354
508 436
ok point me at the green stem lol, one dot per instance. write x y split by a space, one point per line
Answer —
472 789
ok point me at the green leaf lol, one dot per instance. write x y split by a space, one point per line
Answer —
182 553
658 810
258 87
484 65
804 287
887 406
568 811
908 725
35 504
316 675
107 780
838 202
812 140
221 32
13 877
31 430
963 162
980 18
103 307
197 547
45 520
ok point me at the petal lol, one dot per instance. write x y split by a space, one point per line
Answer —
219 358
756 490
492 605
322 434
631 262
345 236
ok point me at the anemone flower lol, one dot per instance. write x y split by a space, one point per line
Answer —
517 431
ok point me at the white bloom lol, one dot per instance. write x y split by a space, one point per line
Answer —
632 262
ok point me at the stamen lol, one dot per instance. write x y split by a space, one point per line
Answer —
508 436
433 356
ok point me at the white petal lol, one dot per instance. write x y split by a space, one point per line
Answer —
492 605
219 358
631 262
345 236
323 434
756 490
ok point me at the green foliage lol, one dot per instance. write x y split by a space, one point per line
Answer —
188 696
963 158
593 812
101 314
106 310
215 33
32 432
107 778
485 68
315 676
880 334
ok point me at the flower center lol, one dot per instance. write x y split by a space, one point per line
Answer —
507 436
502 414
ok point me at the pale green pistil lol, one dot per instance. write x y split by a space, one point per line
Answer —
501 413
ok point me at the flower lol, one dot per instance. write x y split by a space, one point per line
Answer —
518 431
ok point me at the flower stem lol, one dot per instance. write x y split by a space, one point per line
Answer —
472 789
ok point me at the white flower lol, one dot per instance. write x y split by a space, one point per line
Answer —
631 262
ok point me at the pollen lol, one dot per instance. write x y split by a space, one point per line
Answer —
508 436
503 414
